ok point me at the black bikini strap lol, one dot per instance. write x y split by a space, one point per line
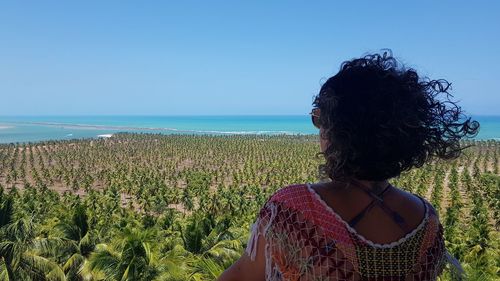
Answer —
378 199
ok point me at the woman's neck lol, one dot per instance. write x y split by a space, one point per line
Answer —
375 186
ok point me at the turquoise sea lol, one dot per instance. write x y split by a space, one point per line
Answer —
39 128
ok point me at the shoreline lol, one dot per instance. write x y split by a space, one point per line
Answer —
25 130
168 129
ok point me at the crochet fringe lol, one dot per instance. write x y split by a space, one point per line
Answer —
251 249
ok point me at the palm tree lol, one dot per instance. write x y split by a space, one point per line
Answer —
132 259
6 209
6 217
206 269
211 239
175 264
20 252
80 243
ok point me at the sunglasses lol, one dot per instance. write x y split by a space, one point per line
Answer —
315 118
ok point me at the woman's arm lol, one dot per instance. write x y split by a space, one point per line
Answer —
244 269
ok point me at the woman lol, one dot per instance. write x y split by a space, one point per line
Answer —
376 119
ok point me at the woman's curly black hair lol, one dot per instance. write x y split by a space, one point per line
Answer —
381 118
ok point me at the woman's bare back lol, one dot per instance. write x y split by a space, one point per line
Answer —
376 225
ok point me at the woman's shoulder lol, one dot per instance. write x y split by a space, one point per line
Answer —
414 203
289 192
294 196
430 212
433 253
290 199
432 225
432 238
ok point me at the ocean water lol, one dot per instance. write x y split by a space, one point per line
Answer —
39 128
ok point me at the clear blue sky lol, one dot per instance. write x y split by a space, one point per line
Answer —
226 57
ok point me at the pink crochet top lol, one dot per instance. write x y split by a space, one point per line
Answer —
307 240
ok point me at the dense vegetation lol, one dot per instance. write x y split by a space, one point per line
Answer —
154 207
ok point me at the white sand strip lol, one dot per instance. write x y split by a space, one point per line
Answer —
105 136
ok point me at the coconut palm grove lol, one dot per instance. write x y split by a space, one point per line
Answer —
179 207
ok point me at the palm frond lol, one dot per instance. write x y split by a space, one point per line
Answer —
37 266
106 261
6 211
3 271
76 261
207 268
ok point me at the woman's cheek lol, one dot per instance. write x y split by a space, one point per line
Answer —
322 141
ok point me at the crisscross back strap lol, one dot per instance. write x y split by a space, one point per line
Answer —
378 200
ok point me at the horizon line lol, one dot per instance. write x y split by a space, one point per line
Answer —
182 115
